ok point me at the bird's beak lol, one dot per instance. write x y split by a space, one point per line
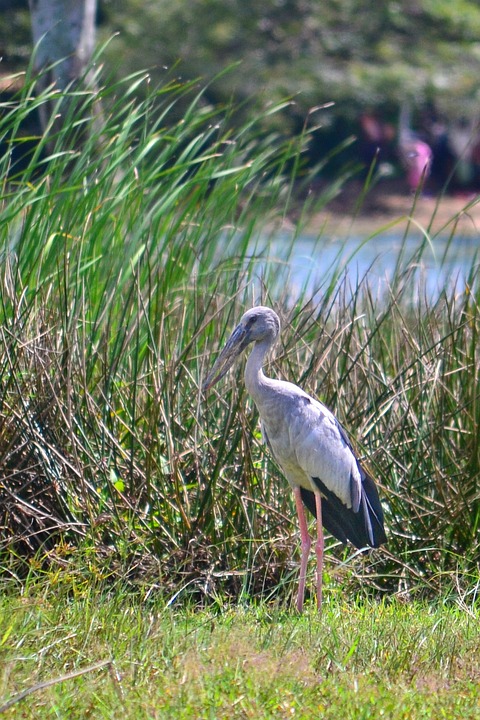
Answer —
237 342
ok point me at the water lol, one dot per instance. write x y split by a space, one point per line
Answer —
308 264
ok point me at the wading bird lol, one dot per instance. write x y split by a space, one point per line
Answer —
309 445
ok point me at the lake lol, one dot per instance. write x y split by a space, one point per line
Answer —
309 263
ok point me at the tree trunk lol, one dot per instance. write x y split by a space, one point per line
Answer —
64 37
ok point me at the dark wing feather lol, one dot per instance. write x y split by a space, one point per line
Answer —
363 528
329 519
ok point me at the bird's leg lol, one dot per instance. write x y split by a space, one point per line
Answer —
306 544
319 545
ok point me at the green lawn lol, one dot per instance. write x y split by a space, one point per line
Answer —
368 659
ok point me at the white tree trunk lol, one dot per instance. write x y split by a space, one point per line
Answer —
64 38
64 33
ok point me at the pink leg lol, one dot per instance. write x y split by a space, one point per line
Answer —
306 544
319 549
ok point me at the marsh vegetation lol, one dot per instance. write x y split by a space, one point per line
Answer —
124 265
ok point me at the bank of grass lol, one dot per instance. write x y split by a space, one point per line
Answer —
107 655
128 252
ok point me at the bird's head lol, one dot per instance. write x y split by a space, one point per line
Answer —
259 324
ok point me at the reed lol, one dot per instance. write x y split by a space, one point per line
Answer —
126 258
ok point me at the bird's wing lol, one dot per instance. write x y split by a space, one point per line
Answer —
314 451
367 500
363 528
351 506
323 451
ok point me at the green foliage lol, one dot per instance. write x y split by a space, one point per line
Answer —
125 261
351 52
351 55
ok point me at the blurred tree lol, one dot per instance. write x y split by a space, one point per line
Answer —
63 34
354 56
351 55
15 45
12 5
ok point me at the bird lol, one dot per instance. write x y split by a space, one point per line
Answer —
415 154
310 447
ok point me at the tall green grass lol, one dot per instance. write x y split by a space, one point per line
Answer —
126 259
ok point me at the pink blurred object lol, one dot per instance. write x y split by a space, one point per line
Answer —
415 154
418 160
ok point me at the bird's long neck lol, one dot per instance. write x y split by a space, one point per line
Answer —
255 379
